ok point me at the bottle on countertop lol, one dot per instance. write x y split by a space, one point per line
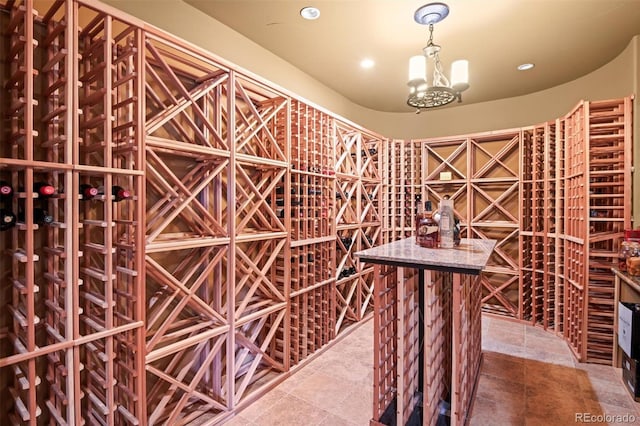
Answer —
446 223
426 227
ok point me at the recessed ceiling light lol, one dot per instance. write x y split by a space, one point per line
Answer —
310 13
367 63
524 67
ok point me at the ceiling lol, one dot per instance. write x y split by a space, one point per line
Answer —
565 39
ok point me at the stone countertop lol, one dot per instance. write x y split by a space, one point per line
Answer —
633 281
470 257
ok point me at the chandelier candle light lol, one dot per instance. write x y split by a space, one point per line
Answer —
442 91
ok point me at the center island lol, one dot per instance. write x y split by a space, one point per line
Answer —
427 330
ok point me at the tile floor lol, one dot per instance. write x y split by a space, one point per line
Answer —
528 377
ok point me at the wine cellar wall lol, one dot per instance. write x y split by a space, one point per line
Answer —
177 235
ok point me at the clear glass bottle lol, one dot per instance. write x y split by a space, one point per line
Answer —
446 224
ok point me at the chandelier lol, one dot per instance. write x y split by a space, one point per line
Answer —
441 91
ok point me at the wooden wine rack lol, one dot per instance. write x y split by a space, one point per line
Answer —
609 198
538 226
313 235
481 174
232 261
401 188
358 159
231 226
71 347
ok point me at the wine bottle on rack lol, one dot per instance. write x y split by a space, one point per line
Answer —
118 193
88 191
43 189
40 217
6 190
7 219
346 241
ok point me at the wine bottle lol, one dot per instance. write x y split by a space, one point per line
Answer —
118 193
7 219
43 189
88 191
426 227
6 190
346 241
40 217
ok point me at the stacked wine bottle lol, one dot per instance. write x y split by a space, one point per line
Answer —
7 217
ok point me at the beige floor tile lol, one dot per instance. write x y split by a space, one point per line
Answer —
239 420
333 420
255 410
323 390
291 411
488 412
